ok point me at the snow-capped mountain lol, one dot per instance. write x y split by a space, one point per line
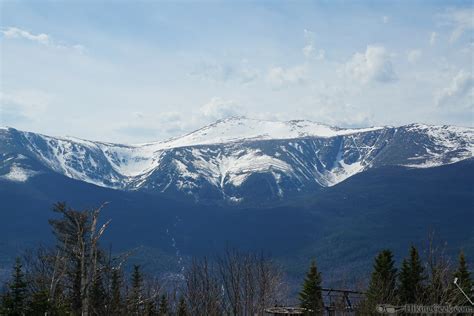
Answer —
235 159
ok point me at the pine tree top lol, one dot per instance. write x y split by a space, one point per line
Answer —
463 274
311 294
137 277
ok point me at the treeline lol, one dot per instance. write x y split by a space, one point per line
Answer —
415 282
422 282
78 277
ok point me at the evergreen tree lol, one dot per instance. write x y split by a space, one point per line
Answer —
14 301
39 304
98 297
116 293
74 275
382 286
182 307
311 294
412 276
164 310
464 281
5 304
150 307
135 303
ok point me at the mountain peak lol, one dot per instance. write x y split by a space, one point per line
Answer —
240 128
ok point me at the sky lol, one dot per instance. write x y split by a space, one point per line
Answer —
139 71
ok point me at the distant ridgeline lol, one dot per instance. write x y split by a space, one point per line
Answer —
237 160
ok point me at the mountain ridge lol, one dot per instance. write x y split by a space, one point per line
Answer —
223 160
348 130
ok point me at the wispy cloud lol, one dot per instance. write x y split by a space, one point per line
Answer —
241 72
163 125
459 92
14 32
309 50
461 20
219 108
40 38
250 60
414 55
280 77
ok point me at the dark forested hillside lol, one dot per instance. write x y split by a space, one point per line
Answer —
343 226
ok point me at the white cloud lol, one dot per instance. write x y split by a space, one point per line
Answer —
459 93
433 37
309 50
320 55
41 38
414 55
461 20
219 108
174 123
373 65
280 77
385 19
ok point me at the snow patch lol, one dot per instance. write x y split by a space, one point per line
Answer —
341 170
19 174
237 166
452 144
131 161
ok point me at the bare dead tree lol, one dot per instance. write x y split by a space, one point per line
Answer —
89 266
78 238
439 268
202 289
231 275
152 291
45 271
250 283
271 288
